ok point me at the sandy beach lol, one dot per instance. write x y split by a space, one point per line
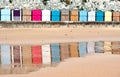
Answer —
93 65
57 35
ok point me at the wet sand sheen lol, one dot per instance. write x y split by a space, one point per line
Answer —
96 65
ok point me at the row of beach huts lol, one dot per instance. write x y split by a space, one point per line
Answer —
25 55
39 15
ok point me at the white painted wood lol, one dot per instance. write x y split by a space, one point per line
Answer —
91 13
91 47
13 18
46 54
45 15
12 57
91 16
45 18
45 12
21 56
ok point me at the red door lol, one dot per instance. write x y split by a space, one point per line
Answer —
36 55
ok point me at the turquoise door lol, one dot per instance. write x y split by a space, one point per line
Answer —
82 49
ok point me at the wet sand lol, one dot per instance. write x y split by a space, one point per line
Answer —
94 65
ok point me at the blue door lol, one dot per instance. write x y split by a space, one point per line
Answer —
5 55
5 18
55 51
5 14
55 15
99 16
82 49
83 16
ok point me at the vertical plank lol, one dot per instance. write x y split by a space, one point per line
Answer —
82 49
36 15
26 16
46 54
16 15
46 15
27 55
64 15
108 16
107 47
64 51
116 16
116 47
36 55
5 56
99 16
91 16
83 16
55 15
91 47
74 15
17 55
55 52
74 50
99 47
5 14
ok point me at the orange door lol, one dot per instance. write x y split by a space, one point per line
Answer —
74 49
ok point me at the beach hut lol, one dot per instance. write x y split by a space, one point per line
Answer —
5 14
46 15
55 53
73 49
27 55
64 15
16 56
55 15
116 51
36 55
107 47
115 44
64 51
108 16
46 54
74 15
82 49
26 15
16 15
116 47
99 16
5 56
36 15
99 47
91 16
91 47
116 16
83 14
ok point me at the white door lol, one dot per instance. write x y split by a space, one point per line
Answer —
45 12
91 16
46 54
45 18
91 47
